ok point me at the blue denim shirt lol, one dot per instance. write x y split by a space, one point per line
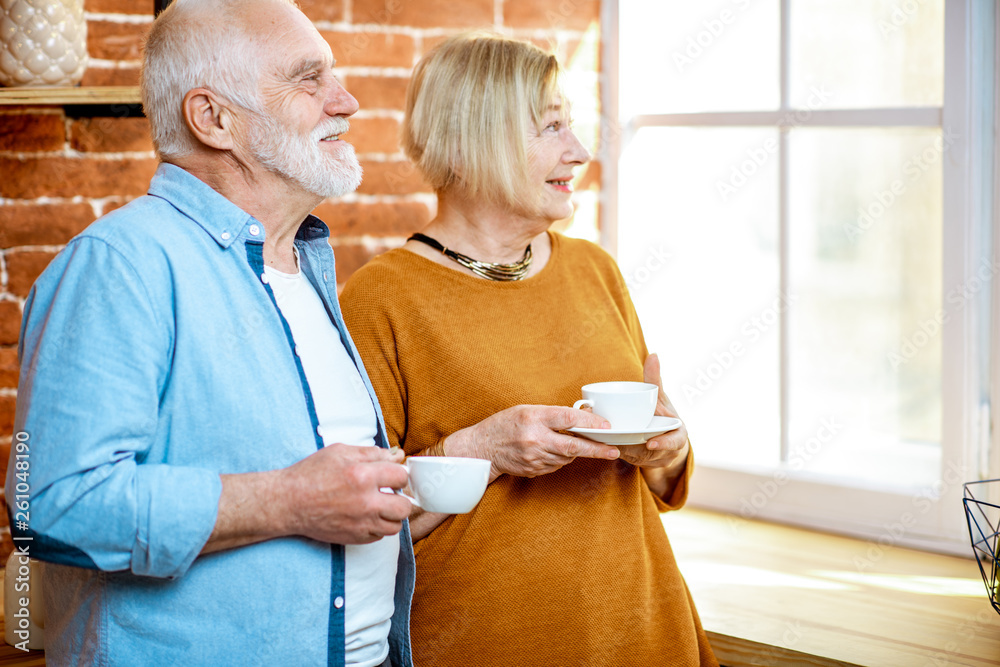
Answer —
153 359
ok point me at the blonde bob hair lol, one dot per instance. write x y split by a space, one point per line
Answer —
470 107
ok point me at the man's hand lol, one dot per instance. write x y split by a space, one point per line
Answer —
334 495
331 496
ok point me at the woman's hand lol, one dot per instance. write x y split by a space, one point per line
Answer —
664 457
525 441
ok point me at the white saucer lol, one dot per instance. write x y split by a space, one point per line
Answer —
610 436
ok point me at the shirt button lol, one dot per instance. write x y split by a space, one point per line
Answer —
225 236
264 279
338 602
319 432
254 230
297 353
324 276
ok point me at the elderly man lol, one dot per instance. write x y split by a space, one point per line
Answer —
206 464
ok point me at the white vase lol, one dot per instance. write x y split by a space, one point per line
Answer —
42 42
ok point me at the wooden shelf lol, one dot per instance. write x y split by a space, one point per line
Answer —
41 96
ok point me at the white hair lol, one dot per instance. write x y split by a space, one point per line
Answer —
198 44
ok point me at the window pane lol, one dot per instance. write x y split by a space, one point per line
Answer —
865 324
681 56
866 53
698 247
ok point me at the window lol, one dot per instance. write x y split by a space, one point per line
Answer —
802 203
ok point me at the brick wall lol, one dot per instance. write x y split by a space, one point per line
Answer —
58 174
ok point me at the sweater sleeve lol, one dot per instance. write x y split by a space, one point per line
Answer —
365 303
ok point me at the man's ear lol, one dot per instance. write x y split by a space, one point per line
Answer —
208 119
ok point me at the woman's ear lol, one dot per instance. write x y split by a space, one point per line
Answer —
208 119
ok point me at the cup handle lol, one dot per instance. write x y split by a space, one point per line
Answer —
412 500
583 402
400 493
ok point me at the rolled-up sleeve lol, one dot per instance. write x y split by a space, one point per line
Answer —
95 357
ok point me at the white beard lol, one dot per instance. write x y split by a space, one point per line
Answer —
301 160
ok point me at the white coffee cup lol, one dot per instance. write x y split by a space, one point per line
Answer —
627 405
449 484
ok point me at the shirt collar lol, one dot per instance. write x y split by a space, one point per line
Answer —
222 219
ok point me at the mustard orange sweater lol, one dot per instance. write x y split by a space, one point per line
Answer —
569 568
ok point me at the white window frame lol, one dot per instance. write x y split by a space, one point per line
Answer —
930 518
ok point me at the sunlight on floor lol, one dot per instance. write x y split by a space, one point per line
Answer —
743 575
950 586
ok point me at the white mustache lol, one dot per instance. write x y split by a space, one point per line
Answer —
333 126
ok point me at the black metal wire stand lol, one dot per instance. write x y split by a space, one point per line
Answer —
984 533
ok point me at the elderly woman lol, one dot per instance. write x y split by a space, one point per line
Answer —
476 334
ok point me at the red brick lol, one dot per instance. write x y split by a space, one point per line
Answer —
350 258
110 135
32 132
6 541
562 15
10 322
4 462
8 366
465 14
119 7
378 92
430 41
589 178
396 177
69 177
107 76
109 40
42 224
371 49
23 268
374 135
376 219
323 10
549 45
6 414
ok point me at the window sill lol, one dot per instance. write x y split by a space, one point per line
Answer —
777 595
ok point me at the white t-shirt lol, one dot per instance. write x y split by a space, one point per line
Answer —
346 415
